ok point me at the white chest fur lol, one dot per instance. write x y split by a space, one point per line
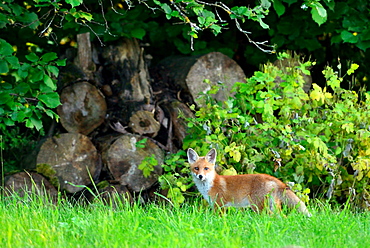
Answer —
204 186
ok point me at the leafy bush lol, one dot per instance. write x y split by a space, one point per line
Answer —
318 140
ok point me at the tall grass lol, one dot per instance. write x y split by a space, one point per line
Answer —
26 223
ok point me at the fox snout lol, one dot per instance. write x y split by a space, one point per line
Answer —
200 177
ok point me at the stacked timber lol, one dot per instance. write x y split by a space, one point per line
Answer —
115 116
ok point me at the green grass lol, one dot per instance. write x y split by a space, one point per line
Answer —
36 224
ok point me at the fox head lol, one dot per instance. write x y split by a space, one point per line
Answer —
202 168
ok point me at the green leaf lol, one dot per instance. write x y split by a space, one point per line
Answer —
51 114
74 3
49 82
30 19
4 97
18 116
13 61
263 25
22 88
51 99
53 70
36 75
266 4
86 16
17 9
29 123
167 9
348 37
216 29
201 20
352 69
47 57
9 122
279 7
61 62
23 70
36 122
3 20
5 48
363 45
138 33
4 66
319 14
32 57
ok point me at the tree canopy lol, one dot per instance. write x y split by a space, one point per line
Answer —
35 33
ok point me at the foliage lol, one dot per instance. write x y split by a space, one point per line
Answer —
174 177
318 139
344 35
28 88
147 165
12 141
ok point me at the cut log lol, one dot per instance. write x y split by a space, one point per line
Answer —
83 108
69 159
29 183
143 122
123 157
178 112
84 58
189 74
126 73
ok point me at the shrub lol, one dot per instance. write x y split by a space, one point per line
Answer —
318 140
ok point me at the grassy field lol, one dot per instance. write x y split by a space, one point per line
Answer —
36 224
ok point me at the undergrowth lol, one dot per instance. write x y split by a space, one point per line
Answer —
317 140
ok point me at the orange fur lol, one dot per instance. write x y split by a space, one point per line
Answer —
257 191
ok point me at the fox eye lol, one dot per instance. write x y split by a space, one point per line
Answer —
206 168
196 168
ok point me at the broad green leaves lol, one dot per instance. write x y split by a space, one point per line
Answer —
279 7
74 3
272 126
318 12
349 36
27 90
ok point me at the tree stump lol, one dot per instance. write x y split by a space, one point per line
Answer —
122 158
189 73
29 183
83 108
67 159
143 122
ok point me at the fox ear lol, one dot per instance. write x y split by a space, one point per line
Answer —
192 156
211 156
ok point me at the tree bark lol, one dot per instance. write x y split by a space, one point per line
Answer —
178 111
122 158
126 79
84 59
189 73
69 159
83 108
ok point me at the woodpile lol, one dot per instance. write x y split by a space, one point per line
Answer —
115 115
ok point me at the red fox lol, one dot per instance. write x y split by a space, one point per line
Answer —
250 190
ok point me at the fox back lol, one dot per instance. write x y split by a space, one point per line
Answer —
257 191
